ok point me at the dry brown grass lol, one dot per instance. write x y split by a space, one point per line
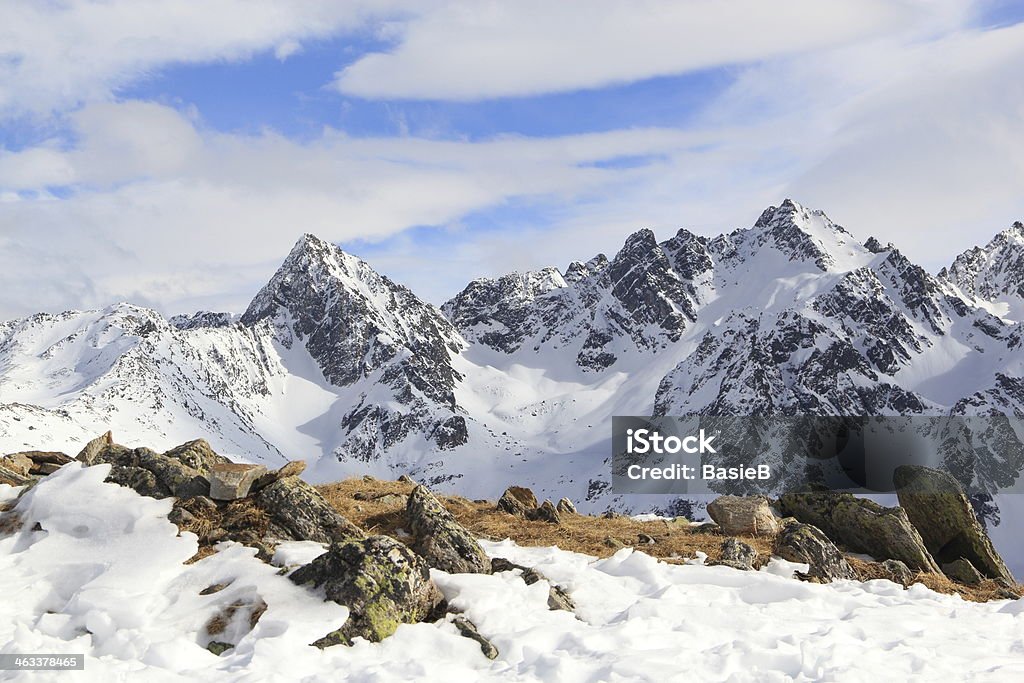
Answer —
10 523
586 534
577 533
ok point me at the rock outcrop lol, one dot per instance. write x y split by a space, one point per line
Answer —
517 500
743 516
861 525
442 541
798 542
231 481
298 512
381 581
941 512
737 554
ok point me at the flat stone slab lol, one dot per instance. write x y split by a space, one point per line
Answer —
230 481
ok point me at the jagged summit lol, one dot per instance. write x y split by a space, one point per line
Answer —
993 274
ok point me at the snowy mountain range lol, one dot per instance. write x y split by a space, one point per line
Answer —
516 378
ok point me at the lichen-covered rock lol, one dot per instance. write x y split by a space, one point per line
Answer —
178 478
743 515
293 468
147 472
198 455
941 512
861 525
381 581
898 572
545 513
566 507
230 481
798 542
298 512
517 500
962 571
440 539
737 554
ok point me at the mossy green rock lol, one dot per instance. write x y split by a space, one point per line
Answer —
798 542
862 525
939 509
381 581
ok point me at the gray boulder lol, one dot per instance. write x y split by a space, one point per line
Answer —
440 539
743 516
566 507
545 513
861 525
558 597
198 455
898 572
381 581
939 509
290 469
231 481
88 454
467 629
798 542
517 500
297 511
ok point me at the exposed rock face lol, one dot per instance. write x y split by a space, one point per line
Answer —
441 540
198 455
862 525
146 471
297 511
290 469
517 500
804 543
233 481
940 511
34 463
737 554
381 581
12 478
962 571
743 516
89 452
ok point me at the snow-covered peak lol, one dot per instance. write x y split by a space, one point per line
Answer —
993 275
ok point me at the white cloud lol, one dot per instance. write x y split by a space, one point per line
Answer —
55 55
159 204
490 48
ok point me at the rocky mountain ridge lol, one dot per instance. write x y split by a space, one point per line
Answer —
515 378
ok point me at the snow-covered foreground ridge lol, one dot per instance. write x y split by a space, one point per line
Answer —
98 569
516 378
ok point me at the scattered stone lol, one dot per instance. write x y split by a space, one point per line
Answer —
298 512
218 648
645 539
861 525
610 514
440 539
938 508
614 543
468 630
406 479
737 554
558 597
517 500
798 542
898 572
367 477
566 507
230 481
962 571
215 588
12 478
34 463
545 513
380 580
45 468
743 516
705 528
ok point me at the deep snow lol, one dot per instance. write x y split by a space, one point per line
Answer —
105 576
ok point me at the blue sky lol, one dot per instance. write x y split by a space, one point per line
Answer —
169 153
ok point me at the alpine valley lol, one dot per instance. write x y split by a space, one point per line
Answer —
515 379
